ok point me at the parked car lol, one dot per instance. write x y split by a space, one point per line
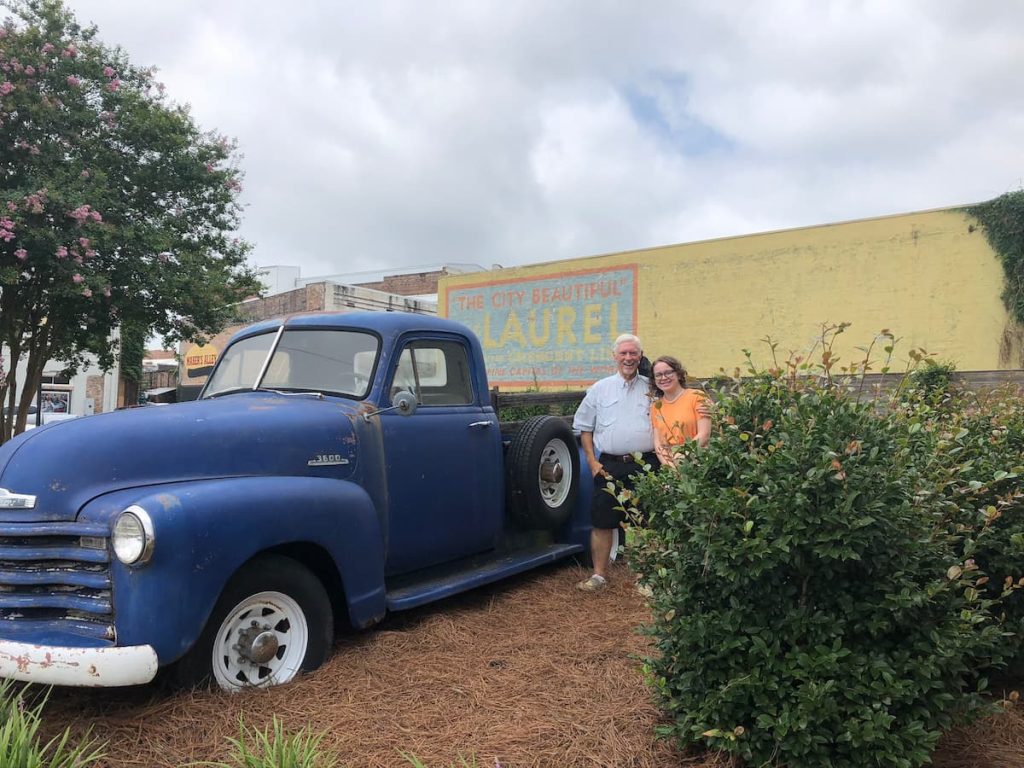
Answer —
335 465
47 417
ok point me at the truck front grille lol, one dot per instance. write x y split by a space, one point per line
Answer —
50 582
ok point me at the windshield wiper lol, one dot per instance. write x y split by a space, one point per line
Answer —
234 390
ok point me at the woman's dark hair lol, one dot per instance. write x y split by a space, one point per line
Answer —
672 363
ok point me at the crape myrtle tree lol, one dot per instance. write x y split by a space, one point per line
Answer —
116 211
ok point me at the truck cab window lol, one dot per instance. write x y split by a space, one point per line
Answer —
435 371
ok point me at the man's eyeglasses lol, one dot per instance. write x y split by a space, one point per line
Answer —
665 375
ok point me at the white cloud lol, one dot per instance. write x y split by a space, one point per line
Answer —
403 133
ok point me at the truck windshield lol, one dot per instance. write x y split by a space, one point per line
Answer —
329 361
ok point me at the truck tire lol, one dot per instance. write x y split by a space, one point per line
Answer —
273 620
543 473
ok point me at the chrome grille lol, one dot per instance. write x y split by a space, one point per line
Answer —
50 582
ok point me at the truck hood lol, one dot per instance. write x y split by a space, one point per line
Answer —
246 434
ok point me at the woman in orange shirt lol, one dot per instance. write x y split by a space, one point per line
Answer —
678 414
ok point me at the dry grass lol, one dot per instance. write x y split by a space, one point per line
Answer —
997 742
530 673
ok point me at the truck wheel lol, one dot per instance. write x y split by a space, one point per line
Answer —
543 469
272 621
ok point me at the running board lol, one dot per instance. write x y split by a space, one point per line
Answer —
464 575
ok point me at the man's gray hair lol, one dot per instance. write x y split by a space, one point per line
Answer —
624 338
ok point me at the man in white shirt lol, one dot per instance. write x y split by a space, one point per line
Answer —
614 423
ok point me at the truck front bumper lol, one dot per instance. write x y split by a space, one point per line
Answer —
83 667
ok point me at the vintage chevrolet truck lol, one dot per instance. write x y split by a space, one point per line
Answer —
336 467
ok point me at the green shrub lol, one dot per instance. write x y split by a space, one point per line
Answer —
20 745
971 462
274 748
932 379
810 608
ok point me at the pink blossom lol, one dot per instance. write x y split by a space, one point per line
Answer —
47 47
89 253
106 291
21 254
84 213
16 65
209 167
84 242
30 70
73 81
6 87
70 52
6 229
11 206
87 293
62 252
108 71
34 202
77 278
113 85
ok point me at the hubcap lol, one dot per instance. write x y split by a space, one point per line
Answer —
551 472
257 644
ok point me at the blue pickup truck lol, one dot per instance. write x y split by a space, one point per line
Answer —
336 467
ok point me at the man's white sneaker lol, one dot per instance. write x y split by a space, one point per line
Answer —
594 584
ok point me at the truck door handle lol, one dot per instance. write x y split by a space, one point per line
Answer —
481 423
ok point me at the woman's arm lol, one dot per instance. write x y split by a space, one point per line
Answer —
702 410
703 431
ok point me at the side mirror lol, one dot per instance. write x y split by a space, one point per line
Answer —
404 402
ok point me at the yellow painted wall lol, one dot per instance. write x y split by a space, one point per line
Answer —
930 277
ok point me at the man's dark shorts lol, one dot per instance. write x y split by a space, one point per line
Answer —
603 512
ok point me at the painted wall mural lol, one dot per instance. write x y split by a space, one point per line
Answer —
551 332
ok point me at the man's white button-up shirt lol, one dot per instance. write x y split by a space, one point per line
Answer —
617 412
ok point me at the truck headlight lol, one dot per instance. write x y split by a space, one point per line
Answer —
133 536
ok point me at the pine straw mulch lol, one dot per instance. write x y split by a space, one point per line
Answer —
529 672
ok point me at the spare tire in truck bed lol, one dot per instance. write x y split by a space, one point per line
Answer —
543 470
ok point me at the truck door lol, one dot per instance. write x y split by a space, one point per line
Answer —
444 463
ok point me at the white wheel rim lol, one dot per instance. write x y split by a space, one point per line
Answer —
278 618
554 493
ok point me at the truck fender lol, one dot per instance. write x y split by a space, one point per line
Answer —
204 531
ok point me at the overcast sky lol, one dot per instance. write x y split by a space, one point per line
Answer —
381 133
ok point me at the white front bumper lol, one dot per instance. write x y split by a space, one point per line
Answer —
86 667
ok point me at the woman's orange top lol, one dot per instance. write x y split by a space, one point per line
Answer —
676 422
